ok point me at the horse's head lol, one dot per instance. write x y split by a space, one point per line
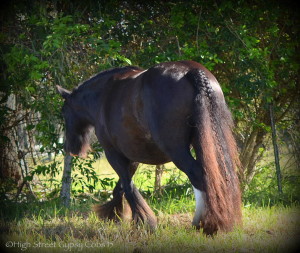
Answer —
77 127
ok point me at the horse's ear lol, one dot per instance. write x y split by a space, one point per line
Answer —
63 92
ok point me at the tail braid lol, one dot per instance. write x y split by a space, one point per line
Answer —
204 89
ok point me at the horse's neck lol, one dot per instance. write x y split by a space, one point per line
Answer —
94 93
93 97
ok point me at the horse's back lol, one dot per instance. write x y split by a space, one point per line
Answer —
168 98
149 112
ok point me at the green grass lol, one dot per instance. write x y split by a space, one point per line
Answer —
45 227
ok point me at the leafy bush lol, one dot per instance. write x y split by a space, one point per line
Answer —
263 189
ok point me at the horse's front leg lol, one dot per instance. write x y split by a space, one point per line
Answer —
141 212
115 209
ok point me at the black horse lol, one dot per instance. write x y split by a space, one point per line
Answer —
155 116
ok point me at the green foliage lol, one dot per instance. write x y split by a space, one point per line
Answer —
262 190
87 178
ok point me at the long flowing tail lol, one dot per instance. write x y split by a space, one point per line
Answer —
217 152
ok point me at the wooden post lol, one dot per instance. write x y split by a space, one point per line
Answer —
276 153
65 193
159 169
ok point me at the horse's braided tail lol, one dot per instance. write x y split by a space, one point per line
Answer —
216 152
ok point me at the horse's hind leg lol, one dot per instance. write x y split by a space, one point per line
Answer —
141 212
183 159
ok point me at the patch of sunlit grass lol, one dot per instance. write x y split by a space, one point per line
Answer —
52 229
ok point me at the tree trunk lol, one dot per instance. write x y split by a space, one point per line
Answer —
9 166
65 193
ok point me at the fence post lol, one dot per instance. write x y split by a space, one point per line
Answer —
276 153
159 169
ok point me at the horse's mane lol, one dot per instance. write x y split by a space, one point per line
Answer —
105 73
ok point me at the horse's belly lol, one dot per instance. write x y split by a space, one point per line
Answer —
146 152
135 140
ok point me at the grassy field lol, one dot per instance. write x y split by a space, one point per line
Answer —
43 227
